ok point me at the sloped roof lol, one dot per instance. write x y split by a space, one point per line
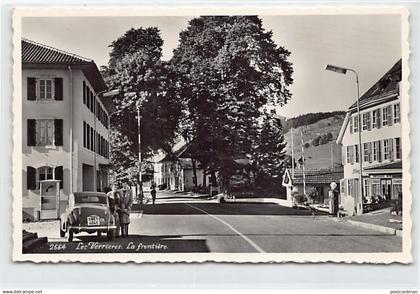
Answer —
318 176
33 52
385 87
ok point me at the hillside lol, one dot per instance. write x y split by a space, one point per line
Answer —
317 156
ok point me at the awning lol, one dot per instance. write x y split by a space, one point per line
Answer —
386 168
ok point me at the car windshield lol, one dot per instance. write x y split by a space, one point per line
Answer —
80 199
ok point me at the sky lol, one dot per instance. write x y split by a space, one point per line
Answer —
369 44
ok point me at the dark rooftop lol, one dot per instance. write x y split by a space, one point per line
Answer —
385 87
319 176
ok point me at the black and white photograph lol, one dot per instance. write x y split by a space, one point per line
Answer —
216 135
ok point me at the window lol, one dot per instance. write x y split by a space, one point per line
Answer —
375 187
397 113
384 116
44 173
374 118
355 123
45 89
34 176
350 187
398 148
386 150
348 154
44 132
366 121
366 152
366 185
375 151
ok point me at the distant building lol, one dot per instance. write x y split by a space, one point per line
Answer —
175 170
381 142
319 179
65 129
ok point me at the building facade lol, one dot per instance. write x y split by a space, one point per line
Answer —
65 129
175 171
381 143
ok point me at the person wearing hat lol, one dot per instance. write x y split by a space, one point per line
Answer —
333 198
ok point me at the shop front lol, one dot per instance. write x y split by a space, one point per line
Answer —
384 181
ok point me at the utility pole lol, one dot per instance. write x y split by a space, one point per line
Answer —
303 162
293 156
332 156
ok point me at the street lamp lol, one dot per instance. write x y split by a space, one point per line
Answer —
343 70
104 93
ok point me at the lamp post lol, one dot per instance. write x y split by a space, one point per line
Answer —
343 70
104 93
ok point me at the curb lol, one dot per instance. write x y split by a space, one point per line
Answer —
378 228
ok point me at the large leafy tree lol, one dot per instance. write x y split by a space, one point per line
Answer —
145 83
229 71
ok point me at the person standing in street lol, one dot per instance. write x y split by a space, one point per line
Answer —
125 208
333 199
114 198
153 192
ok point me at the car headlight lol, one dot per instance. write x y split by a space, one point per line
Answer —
102 220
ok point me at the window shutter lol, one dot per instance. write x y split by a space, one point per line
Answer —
30 178
390 116
351 125
59 175
31 131
379 150
370 151
31 88
378 119
58 89
58 132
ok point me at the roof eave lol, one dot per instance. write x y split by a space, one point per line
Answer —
343 128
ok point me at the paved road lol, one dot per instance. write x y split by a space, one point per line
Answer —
199 225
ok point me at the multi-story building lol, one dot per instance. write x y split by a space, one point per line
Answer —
381 143
65 128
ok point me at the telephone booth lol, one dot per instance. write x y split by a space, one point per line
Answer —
50 199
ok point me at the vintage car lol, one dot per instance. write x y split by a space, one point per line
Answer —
87 212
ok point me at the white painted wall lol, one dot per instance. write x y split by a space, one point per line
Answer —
58 156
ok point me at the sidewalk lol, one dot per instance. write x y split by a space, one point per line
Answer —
380 220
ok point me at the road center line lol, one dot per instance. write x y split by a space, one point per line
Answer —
250 242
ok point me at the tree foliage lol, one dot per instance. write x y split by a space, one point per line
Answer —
145 82
228 71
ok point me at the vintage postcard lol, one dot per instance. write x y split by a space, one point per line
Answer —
224 135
